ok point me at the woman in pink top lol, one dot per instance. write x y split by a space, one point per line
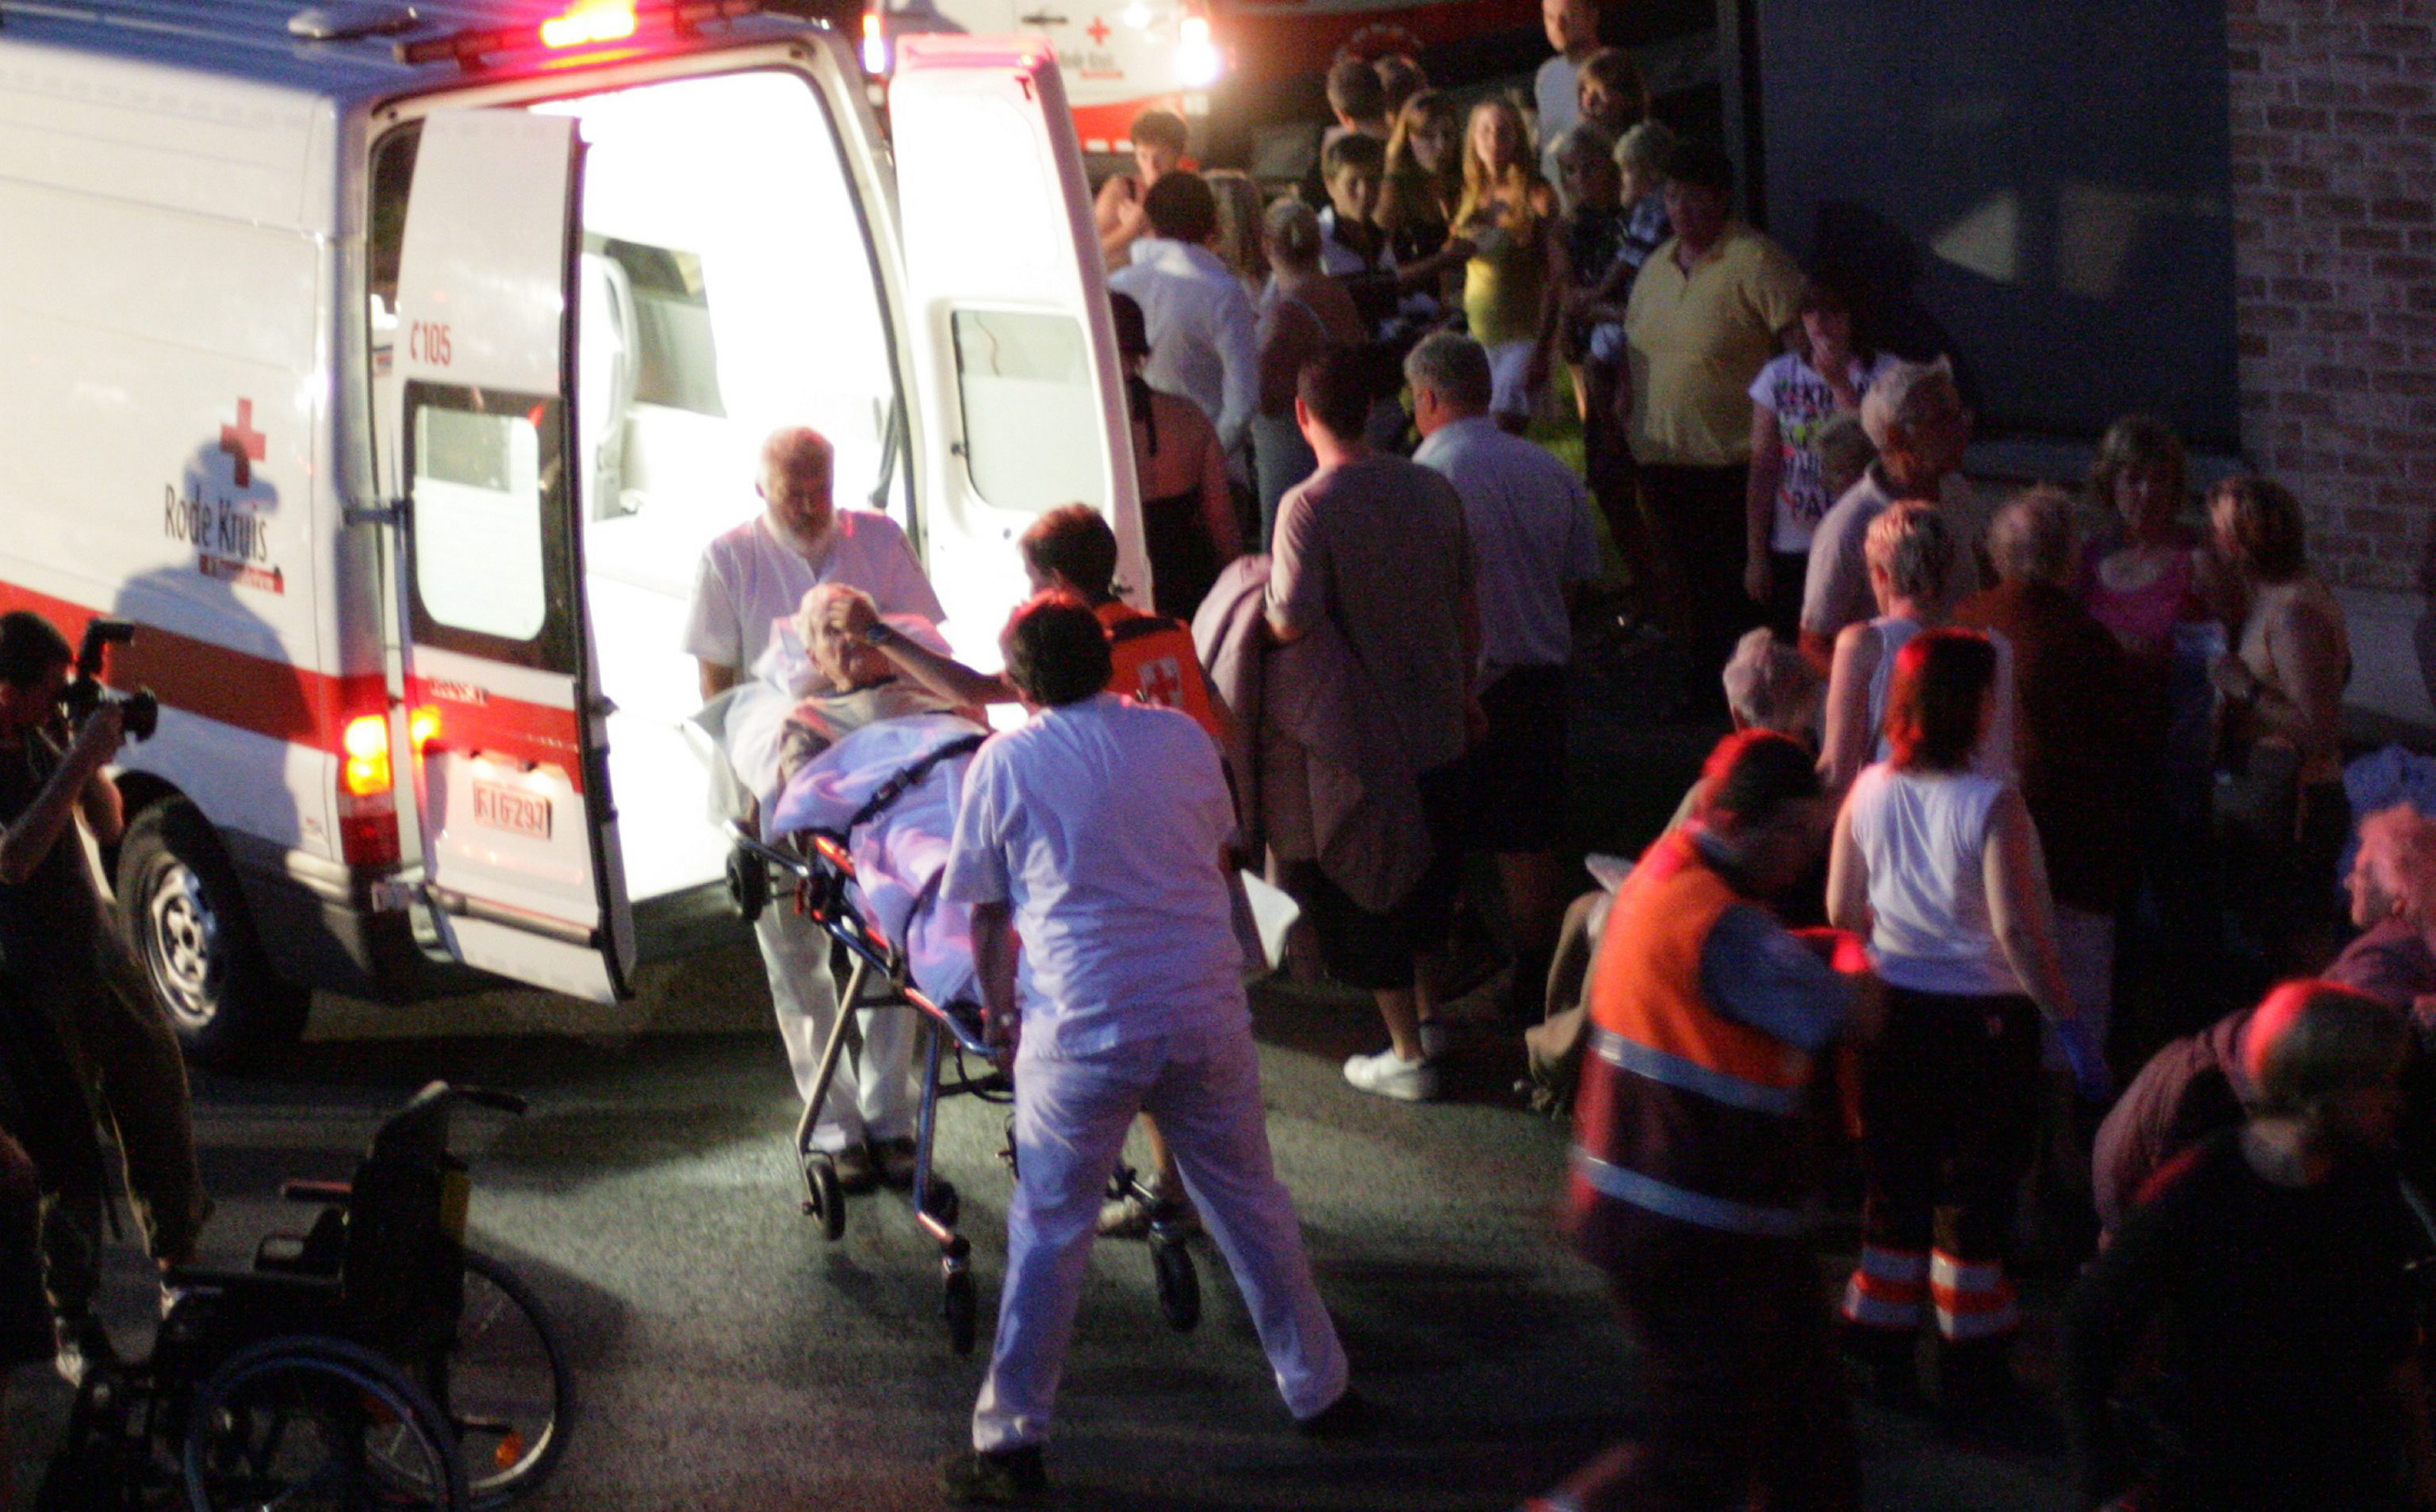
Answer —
2150 573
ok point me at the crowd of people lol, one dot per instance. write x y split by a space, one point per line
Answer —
1985 771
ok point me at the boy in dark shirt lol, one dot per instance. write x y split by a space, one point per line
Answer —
2276 1252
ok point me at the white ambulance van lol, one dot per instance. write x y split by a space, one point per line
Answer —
391 367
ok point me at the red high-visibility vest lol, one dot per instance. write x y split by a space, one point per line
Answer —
1155 663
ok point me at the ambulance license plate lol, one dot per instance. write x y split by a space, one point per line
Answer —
498 806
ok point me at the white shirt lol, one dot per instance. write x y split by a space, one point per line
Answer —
1531 539
1101 823
749 578
1202 325
1555 92
1924 838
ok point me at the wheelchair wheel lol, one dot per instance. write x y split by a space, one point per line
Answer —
310 1421
1179 1283
961 1307
504 1385
823 1197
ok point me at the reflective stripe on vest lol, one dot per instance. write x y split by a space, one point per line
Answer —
1687 1206
1690 1076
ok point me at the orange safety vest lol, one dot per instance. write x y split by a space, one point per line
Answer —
1157 663
1683 1112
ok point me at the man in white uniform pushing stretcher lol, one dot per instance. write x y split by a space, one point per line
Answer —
751 577
1096 837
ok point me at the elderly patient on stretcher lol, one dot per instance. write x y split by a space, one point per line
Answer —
826 737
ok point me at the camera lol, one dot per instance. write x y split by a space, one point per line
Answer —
139 711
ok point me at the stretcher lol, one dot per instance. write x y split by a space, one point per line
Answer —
837 875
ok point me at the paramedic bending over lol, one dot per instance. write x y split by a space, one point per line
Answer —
750 578
1095 838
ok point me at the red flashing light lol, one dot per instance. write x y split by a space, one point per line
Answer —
589 21
583 24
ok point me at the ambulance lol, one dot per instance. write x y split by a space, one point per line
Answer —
1119 58
390 367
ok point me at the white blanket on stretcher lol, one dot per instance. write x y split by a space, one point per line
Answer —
897 856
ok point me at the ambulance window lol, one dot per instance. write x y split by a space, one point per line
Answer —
482 492
1032 413
677 360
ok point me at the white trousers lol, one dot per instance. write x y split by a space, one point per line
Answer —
1070 1118
870 1099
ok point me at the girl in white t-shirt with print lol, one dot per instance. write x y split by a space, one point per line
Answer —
1792 400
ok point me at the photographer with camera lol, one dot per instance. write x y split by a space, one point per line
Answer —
75 986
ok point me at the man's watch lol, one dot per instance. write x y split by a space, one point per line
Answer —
878 632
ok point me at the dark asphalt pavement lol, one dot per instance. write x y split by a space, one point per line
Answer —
729 1360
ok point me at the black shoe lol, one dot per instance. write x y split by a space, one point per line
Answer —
83 1346
894 1160
999 1477
1348 1418
854 1172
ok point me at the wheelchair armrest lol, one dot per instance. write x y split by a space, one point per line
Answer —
324 1191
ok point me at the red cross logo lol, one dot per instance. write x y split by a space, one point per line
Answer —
1098 33
1162 683
243 442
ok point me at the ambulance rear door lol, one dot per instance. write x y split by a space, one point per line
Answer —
505 726
1021 396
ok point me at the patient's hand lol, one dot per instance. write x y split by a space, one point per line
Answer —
849 615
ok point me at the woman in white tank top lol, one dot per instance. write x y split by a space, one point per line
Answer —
1938 866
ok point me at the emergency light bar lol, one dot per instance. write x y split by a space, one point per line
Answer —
584 23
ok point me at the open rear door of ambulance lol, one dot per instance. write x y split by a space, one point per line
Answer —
522 875
1020 393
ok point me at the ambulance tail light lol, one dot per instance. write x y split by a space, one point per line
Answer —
367 794
1197 64
875 40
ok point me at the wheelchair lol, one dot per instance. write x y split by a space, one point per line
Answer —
372 1361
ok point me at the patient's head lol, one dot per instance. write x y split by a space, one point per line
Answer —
846 660
1071 547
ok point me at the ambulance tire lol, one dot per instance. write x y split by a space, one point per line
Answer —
183 913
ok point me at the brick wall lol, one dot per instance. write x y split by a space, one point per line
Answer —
2334 184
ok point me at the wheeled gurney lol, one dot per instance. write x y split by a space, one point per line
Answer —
816 871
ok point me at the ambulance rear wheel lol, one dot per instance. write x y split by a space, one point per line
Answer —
182 914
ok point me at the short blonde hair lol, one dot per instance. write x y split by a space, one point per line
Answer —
1293 235
1914 547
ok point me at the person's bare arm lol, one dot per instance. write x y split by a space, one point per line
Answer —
1759 503
1848 879
2305 702
1850 742
853 616
718 679
26 842
103 809
1218 503
995 953
2015 871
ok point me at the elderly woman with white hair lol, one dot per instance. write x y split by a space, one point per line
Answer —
1914 415
2392 888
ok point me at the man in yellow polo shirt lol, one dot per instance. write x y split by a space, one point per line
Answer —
1709 309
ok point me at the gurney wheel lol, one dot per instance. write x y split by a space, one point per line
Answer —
943 1201
748 882
823 1197
961 1310
1179 1283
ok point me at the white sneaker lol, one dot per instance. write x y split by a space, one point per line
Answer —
1388 1074
1434 1039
